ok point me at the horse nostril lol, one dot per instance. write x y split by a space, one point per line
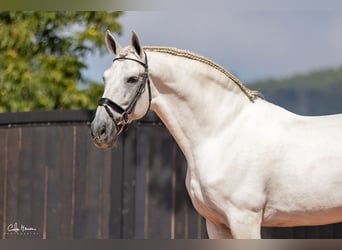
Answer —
103 130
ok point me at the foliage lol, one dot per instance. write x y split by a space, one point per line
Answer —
315 93
41 58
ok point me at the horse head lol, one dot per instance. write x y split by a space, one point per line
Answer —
124 99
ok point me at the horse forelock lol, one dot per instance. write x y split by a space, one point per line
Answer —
125 51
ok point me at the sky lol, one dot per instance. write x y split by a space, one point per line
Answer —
252 43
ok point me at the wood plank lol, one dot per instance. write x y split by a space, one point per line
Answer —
66 163
3 180
116 192
193 222
80 215
204 233
85 220
105 202
94 166
25 178
142 175
160 185
174 189
11 208
51 220
182 198
38 170
128 181
164 178
59 224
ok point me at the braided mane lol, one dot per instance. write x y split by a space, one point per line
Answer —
251 94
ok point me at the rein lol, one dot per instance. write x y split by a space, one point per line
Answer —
123 122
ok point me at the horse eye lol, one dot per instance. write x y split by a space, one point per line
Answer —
133 79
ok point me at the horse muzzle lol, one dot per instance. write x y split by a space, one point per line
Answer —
104 134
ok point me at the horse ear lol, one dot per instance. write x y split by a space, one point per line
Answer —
112 45
136 44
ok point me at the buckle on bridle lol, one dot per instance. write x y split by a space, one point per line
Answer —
124 119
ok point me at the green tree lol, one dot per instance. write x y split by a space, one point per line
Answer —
42 58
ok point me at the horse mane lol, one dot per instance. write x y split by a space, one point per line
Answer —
251 94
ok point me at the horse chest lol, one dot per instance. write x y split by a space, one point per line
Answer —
203 200
200 201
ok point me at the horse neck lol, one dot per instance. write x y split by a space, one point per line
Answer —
194 100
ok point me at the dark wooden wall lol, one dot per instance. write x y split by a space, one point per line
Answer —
53 179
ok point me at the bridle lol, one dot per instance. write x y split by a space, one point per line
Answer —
123 122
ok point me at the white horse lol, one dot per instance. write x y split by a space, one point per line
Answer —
250 163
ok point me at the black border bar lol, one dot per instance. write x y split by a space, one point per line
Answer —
45 117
